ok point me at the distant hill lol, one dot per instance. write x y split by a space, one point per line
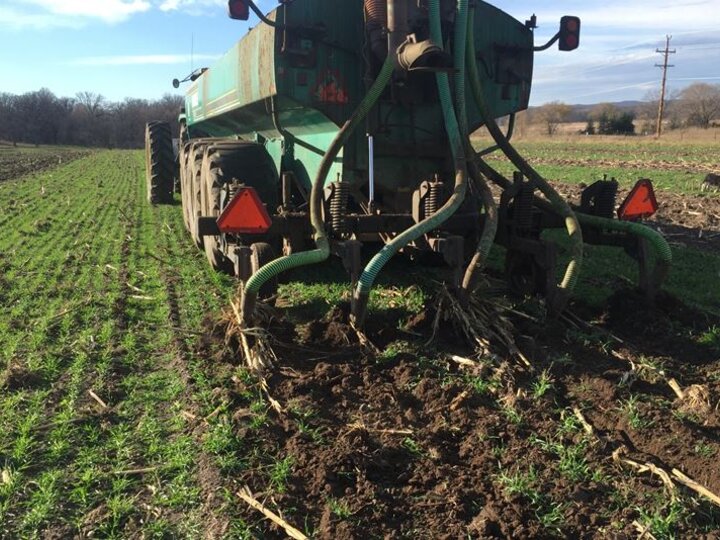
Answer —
580 111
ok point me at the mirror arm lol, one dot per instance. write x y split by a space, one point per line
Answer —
548 44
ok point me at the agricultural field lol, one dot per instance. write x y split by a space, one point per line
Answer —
19 161
678 167
127 411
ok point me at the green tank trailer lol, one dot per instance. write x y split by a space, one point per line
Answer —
336 124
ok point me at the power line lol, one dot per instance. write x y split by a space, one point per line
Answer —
661 110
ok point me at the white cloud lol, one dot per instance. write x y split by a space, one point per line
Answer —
649 15
42 14
208 7
661 17
693 79
20 19
193 7
67 13
139 60
107 10
617 57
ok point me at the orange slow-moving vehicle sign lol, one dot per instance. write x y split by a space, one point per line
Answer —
246 214
640 203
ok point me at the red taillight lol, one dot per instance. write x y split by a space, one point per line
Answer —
246 214
569 33
239 10
640 203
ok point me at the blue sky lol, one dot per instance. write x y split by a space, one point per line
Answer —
134 48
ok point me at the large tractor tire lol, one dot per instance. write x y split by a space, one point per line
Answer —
159 163
183 160
212 180
193 182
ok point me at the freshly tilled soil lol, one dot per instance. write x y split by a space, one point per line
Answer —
408 445
18 164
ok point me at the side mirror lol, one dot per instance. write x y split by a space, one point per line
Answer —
238 10
176 83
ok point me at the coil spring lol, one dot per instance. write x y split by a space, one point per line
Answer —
432 199
376 13
338 206
231 188
605 202
523 208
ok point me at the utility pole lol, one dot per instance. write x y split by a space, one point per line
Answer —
661 111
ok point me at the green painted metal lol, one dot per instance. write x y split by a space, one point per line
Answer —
245 75
292 88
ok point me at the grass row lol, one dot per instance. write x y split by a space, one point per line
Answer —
89 310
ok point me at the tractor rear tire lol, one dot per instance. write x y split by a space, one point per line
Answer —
183 159
263 253
212 180
159 163
193 179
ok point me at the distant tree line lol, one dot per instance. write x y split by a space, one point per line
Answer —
698 105
88 119
607 119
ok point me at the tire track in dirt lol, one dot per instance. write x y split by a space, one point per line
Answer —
127 380
114 390
208 476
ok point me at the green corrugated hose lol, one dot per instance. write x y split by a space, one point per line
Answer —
272 269
369 274
656 240
559 204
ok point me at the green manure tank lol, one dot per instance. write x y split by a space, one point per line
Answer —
292 85
335 124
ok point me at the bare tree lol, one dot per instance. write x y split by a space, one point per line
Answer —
9 128
86 120
91 102
522 122
553 114
700 103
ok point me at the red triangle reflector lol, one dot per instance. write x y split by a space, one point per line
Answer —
640 203
246 214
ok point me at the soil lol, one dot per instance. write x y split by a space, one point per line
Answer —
398 440
400 445
15 377
17 164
